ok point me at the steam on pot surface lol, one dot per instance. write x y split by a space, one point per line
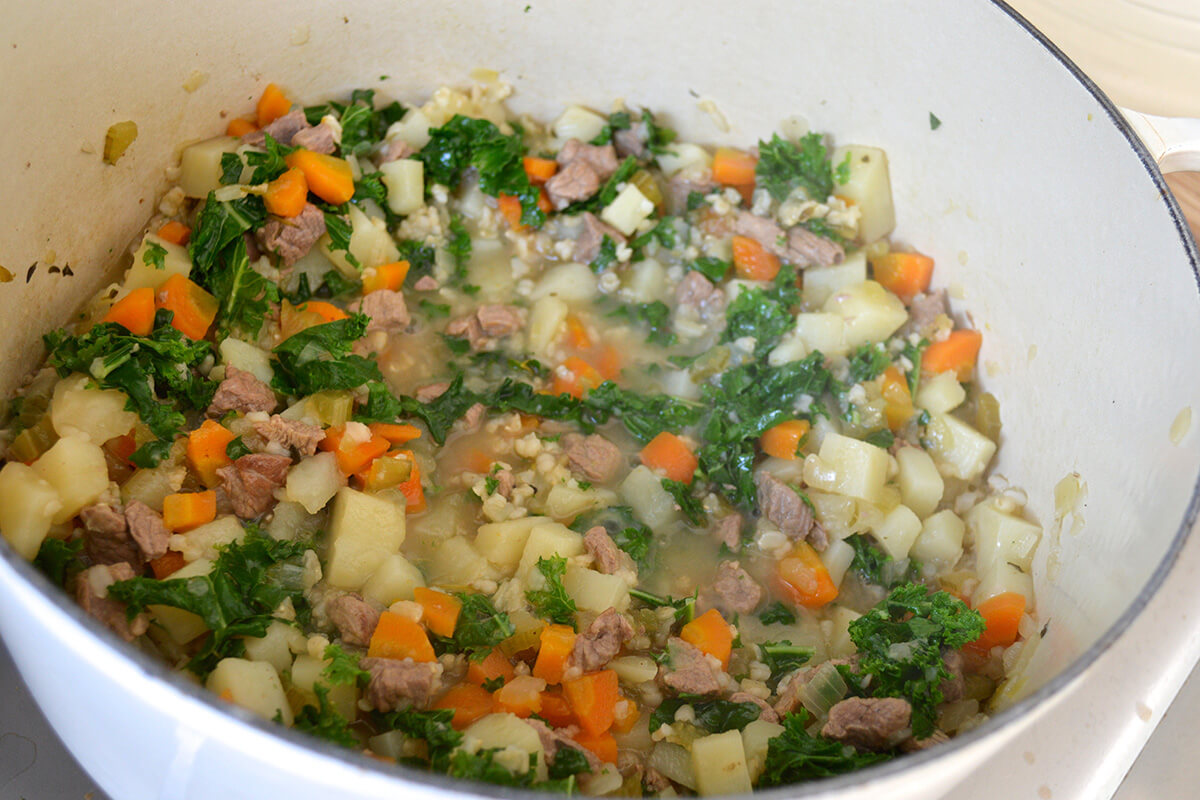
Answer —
556 454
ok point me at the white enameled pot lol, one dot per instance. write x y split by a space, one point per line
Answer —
1048 218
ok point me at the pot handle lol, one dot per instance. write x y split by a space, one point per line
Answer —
1174 142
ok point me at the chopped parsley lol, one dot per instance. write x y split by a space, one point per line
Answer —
711 267
480 627
714 716
655 316
553 602
934 122
458 244
795 755
318 359
58 558
324 721
763 314
784 166
606 256
688 503
155 256
777 612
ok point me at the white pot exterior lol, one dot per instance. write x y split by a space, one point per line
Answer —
1043 215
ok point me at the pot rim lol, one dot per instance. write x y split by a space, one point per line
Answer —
158 670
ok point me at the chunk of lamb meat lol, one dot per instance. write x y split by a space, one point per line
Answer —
472 417
767 715
732 590
147 529
91 592
955 687
505 481
609 558
395 150
555 739
291 434
728 531
282 130
591 237
923 311
798 245
396 684
679 189
318 138
241 391
386 309
593 456
486 324
354 618
870 723
782 505
582 169
697 291
251 481
600 643
106 538
431 391
631 141
912 745
655 781
687 670
290 238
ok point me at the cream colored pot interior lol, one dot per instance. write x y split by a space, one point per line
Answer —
1052 235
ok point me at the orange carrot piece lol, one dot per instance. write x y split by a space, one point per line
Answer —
509 207
329 177
395 434
194 309
272 105
557 642
397 636
188 510
496 665
469 703
574 377
521 696
539 170
412 490
733 167
593 697
752 261
905 275
784 440
626 715
899 405
122 447
802 576
385 276
610 363
670 454
238 127
1002 616
603 746
134 312
957 352
555 709
328 312
355 457
577 334
167 564
441 610
206 451
544 204
175 232
287 194
711 634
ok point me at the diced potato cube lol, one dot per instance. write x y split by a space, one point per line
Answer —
685 158
94 413
578 123
142 274
941 541
756 738
565 503
291 521
941 393
150 486
870 188
837 558
313 481
594 591
572 282
503 542
370 243
457 563
204 541
363 531
200 165
413 129
870 312
183 626
821 331
251 684
921 485
838 639
633 670
628 210
651 503
1002 577
405 182
821 283
647 281
76 468
719 761
1001 537
545 541
897 531
960 449
507 732
276 647
247 357
849 467
308 673
545 321
394 580
28 504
